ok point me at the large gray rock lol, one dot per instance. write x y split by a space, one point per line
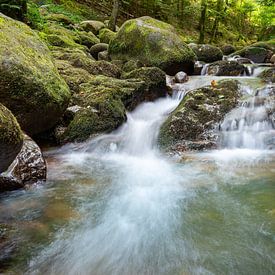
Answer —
225 68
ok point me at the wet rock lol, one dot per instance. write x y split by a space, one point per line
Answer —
207 53
29 167
11 138
272 59
268 75
92 26
96 49
155 80
198 115
242 60
198 67
154 43
181 77
228 49
256 54
30 85
225 68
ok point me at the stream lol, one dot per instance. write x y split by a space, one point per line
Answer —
117 205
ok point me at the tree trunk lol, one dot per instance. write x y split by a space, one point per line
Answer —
113 18
219 11
202 20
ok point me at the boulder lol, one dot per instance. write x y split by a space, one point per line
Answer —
191 125
16 9
104 101
92 26
256 54
155 80
106 35
272 59
97 48
154 43
228 49
131 65
30 85
87 39
80 59
225 68
103 56
181 77
60 18
268 75
11 138
207 53
29 167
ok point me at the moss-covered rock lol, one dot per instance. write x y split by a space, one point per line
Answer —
73 76
97 48
92 26
154 78
131 65
30 85
154 43
225 68
106 35
11 138
104 56
269 45
80 59
87 39
199 112
268 75
256 54
16 9
60 18
103 102
228 49
207 53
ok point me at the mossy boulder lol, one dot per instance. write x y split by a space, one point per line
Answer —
11 138
154 78
256 54
16 9
228 49
225 68
206 53
97 48
106 35
87 39
92 26
30 85
104 56
60 18
154 43
80 59
131 65
268 75
73 76
190 126
103 102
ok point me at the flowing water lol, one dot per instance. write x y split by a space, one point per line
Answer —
116 205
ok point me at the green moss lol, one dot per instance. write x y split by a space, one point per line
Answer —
30 86
11 138
153 43
106 35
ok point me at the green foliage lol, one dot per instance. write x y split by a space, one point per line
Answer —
34 19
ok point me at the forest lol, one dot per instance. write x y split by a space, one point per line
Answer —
137 137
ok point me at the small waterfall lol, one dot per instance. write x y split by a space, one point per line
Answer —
252 124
